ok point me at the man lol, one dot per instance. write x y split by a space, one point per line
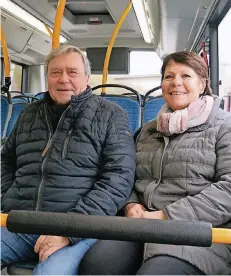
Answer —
71 152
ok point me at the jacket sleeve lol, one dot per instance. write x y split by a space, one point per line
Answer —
8 162
134 198
112 189
213 204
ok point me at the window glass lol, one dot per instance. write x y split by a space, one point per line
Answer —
224 39
2 72
16 77
144 74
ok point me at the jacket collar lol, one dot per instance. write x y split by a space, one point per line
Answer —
83 96
74 99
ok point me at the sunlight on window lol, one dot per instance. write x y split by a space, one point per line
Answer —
16 77
144 63
225 56
144 74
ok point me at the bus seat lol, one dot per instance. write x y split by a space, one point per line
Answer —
17 108
40 96
26 98
6 109
151 108
17 99
131 105
21 268
152 104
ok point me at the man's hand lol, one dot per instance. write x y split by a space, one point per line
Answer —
134 210
154 215
47 245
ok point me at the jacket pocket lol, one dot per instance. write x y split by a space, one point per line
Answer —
65 145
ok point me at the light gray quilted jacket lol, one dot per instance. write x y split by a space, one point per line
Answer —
189 177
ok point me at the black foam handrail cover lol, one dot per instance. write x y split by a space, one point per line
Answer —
111 228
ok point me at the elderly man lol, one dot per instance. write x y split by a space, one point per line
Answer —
71 152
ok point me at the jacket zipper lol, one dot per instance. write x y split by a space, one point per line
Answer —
66 143
160 174
151 193
64 151
44 153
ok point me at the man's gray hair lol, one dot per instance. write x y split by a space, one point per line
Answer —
66 49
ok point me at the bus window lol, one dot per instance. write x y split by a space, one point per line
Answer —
2 72
144 74
225 56
16 77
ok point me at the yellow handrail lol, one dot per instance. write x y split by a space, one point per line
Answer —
4 220
221 235
48 30
58 22
111 43
5 53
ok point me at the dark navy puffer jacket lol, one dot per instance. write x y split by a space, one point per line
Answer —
87 166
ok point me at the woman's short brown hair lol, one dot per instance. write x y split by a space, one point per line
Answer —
193 61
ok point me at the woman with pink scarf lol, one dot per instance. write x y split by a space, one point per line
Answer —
183 173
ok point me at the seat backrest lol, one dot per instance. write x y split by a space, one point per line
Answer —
24 99
130 103
17 99
40 96
151 108
5 110
131 106
17 108
152 104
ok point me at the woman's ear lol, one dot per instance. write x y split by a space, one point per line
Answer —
203 86
205 82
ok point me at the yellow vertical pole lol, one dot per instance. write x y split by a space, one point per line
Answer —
111 43
5 53
58 22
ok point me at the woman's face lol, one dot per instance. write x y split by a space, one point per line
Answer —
181 85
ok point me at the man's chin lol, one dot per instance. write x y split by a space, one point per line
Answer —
63 100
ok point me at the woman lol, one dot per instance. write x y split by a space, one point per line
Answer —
183 173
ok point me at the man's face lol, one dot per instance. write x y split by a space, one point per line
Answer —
66 77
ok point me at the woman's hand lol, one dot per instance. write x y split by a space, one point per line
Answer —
154 215
134 210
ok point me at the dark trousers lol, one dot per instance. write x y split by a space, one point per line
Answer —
167 265
125 258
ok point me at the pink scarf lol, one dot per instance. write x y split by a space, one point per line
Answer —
169 122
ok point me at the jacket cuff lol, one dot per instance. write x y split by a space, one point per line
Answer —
165 211
74 240
133 198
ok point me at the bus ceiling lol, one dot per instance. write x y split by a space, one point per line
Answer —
161 25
